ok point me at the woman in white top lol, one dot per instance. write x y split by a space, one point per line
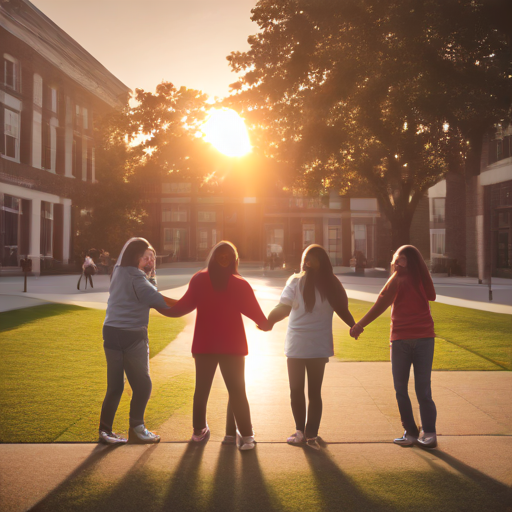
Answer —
309 299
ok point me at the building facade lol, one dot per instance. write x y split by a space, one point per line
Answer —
51 91
471 216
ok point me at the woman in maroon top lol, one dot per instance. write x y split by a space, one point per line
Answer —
408 292
221 296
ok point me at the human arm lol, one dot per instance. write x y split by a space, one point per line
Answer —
384 300
340 305
181 307
250 307
280 312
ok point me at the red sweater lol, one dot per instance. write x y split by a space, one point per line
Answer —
410 312
219 326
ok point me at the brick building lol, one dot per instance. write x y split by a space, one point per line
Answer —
51 90
471 216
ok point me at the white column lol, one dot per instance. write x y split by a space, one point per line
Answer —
35 235
66 231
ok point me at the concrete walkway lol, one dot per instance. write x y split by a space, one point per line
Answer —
357 468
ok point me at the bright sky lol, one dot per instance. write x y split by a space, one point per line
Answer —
143 42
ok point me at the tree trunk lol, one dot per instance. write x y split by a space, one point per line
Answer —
400 230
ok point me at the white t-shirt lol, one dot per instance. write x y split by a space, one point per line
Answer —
309 334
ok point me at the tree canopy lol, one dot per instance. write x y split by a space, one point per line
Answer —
390 94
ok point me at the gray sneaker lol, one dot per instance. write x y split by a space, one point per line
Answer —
141 435
427 440
406 440
110 438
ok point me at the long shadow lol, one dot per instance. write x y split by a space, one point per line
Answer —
254 494
491 485
222 497
97 455
12 319
337 492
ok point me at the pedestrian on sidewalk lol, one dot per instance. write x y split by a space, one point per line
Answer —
125 340
408 292
89 269
221 296
310 298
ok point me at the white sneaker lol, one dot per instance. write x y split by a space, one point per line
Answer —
297 438
406 440
427 440
203 435
141 435
245 442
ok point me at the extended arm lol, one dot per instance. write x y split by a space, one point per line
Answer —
341 307
249 307
280 312
384 300
181 307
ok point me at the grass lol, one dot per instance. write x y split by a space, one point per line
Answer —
467 339
53 375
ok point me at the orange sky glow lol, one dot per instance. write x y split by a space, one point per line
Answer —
144 43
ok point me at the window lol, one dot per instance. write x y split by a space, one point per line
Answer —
215 232
308 234
437 243
46 228
85 119
206 216
46 155
38 90
10 215
77 118
12 73
12 134
203 239
174 214
53 99
360 238
176 188
438 209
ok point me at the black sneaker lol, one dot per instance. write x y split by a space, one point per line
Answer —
111 438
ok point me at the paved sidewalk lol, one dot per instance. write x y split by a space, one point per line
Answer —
358 468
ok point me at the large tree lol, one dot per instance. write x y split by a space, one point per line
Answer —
388 93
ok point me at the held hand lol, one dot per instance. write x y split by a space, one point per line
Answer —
356 331
265 327
169 302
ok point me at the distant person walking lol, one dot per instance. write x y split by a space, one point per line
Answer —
89 268
408 292
310 298
125 340
221 296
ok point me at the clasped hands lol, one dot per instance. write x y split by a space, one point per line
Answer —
356 331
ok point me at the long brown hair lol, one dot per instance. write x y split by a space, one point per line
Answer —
319 278
414 261
134 251
219 275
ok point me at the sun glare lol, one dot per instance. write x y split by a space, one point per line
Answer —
226 131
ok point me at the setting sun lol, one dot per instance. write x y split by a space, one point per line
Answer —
226 131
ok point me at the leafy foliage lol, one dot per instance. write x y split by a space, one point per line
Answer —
390 94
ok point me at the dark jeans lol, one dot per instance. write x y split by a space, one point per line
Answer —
126 351
419 353
297 369
232 368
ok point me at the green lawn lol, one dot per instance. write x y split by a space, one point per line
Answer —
53 375
467 339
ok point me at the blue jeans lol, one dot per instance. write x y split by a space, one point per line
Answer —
419 353
126 352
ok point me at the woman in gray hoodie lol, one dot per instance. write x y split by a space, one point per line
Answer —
125 340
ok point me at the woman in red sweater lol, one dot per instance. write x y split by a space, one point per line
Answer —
221 296
408 292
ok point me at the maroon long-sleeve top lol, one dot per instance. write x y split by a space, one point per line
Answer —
219 326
